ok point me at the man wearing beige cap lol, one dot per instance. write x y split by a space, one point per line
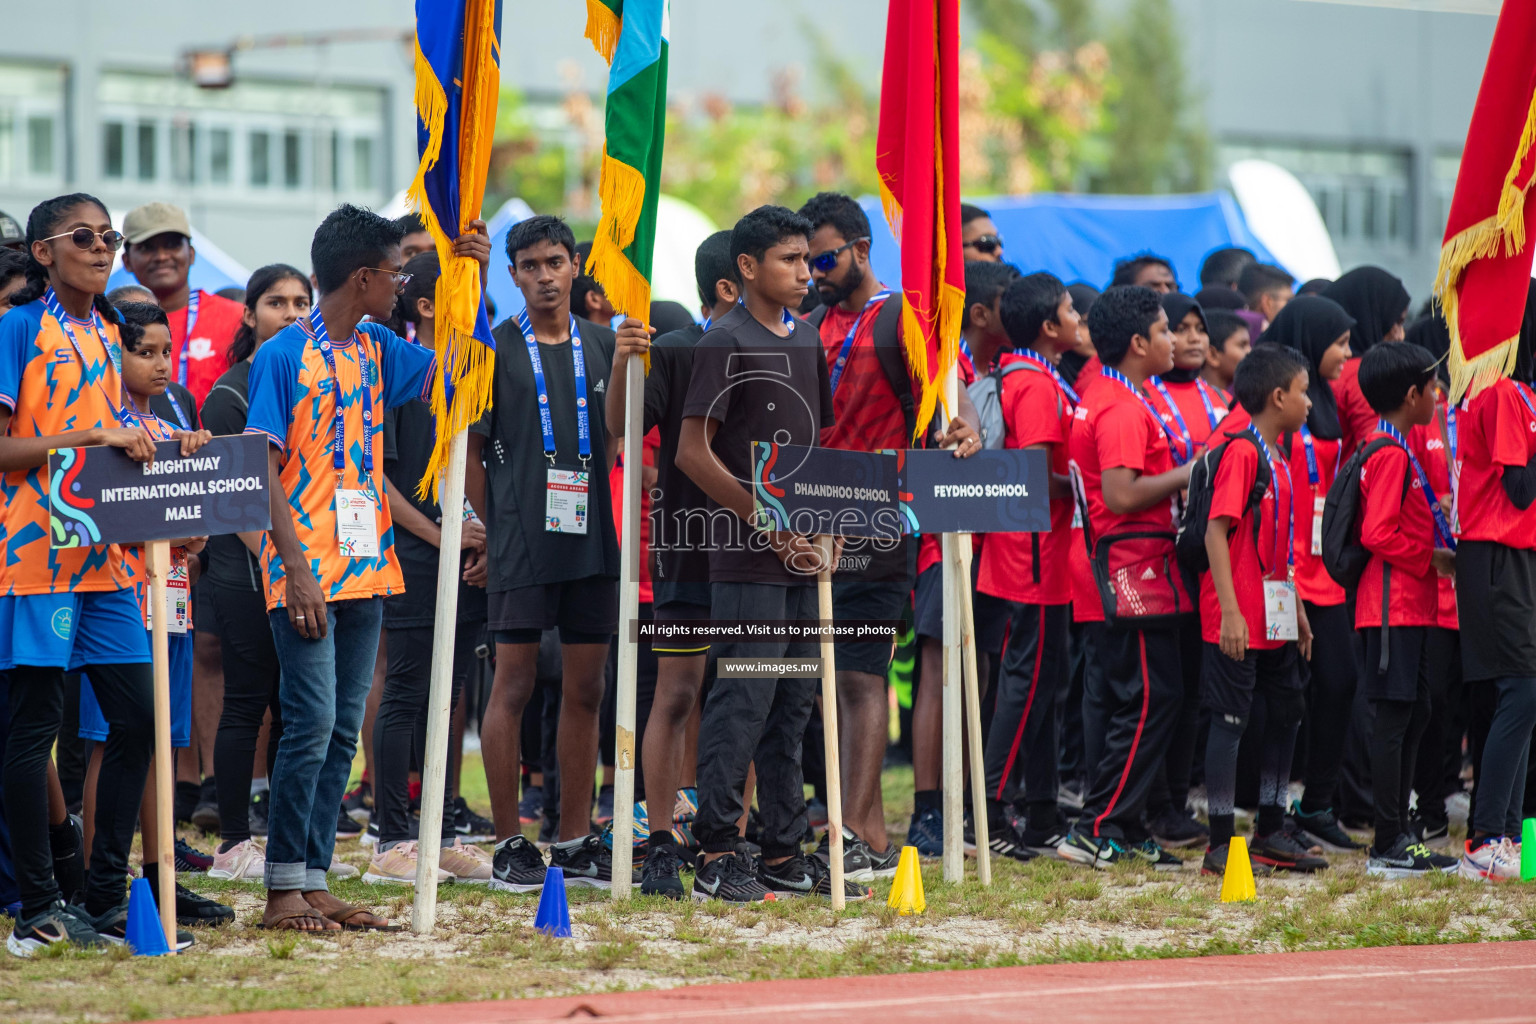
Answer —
159 253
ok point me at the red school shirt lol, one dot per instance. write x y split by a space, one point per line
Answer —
1252 562
1199 406
1087 606
648 448
1398 529
208 351
1032 568
1496 429
1116 429
1355 414
867 413
1432 445
1312 580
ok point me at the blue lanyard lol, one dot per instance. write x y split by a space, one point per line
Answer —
186 340
1115 375
842 356
1044 364
1178 417
181 417
1306 442
1290 484
546 421
123 413
316 329
1520 390
1450 431
965 350
1442 528
1204 390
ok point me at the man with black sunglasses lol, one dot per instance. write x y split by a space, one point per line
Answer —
979 237
873 403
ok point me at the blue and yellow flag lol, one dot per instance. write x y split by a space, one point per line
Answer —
458 80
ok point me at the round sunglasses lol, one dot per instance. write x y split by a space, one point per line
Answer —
85 238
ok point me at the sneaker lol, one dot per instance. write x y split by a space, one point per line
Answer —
517 866
57 923
884 864
687 805
1081 848
1434 834
206 814
662 875
1178 830
807 876
1155 857
1044 841
1005 842
926 832
856 856
1215 862
371 835
113 927
1069 795
260 804
531 807
243 862
467 863
340 868
1494 861
732 879
469 826
1323 829
1403 860
192 908
358 802
585 861
816 813
1281 851
190 859
604 805
396 866
346 828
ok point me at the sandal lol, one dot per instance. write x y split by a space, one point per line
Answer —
344 914
283 922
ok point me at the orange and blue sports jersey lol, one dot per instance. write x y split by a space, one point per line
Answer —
293 403
133 554
52 385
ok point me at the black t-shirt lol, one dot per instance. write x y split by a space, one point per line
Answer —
230 563
409 434
522 552
162 406
673 557
760 387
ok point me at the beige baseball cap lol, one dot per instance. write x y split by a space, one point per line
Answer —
151 219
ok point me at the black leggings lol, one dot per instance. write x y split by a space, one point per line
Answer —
1330 697
1394 747
400 728
251 675
126 696
1501 777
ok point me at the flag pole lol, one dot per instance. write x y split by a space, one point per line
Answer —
629 645
434 772
159 565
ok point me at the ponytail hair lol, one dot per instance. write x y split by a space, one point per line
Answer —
262 281
424 270
42 223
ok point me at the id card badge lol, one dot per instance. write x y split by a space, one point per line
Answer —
1280 610
1318 501
357 526
565 501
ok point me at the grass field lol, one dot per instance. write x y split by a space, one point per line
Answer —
486 948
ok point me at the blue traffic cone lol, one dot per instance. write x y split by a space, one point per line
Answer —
144 933
554 914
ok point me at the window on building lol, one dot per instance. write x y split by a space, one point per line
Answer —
7 146
261 144
219 153
113 149
40 154
148 138
335 148
362 164
184 154
1364 195
293 172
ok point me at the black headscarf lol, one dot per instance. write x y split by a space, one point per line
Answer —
1433 335
1219 297
1376 300
1178 305
1083 298
1310 324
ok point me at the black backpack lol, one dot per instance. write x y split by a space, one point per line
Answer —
1344 556
889 351
1190 545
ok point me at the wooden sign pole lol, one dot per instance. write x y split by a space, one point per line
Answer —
159 565
829 724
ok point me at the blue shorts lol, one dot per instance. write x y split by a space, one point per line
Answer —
70 631
93 725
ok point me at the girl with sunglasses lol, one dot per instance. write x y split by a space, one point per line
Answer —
66 609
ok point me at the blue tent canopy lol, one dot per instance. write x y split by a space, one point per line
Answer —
1079 237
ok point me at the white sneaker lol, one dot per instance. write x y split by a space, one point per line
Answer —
243 862
1497 860
341 869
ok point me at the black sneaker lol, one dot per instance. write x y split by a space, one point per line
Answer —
469 826
1403 860
662 875
517 866
856 859
1155 857
807 876
1281 851
730 878
192 908
358 802
1005 842
113 927
585 861
57 923
883 865
190 859
1101 853
1178 830
206 814
346 828
1215 862
1044 841
371 835
531 807
1324 830
260 804
1434 834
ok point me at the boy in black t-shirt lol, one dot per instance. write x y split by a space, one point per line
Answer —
538 477
758 374
679 562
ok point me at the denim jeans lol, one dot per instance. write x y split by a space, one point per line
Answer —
323 691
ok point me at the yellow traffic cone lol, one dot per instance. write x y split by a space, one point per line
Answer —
1237 883
907 890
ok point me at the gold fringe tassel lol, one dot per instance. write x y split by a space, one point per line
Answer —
622 191
603 28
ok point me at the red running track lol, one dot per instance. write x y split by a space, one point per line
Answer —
1488 983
